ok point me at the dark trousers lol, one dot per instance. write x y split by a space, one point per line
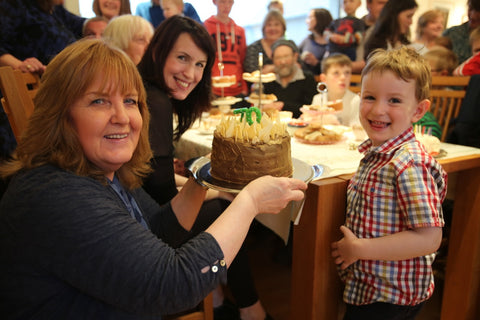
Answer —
239 277
381 311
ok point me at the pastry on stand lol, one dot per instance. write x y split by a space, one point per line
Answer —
224 103
315 132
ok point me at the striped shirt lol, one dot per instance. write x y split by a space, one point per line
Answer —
398 186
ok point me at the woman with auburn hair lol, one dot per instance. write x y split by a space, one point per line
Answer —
80 237
430 26
111 8
392 28
130 33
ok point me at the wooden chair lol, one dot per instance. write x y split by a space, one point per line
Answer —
355 83
204 312
447 97
18 90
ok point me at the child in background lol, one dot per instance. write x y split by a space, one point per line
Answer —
344 34
172 7
231 46
337 70
472 65
442 62
394 215
275 5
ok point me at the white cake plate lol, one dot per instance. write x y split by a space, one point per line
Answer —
200 169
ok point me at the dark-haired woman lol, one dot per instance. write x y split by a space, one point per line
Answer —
392 28
314 47
176 69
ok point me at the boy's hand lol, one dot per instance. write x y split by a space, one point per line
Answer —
343 251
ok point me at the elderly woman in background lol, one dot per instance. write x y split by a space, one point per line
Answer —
130 33
430 27
111 8
314 47
273 28
80 238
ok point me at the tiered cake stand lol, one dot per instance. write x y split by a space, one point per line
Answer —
258 79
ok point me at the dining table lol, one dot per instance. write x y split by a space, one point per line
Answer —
316 289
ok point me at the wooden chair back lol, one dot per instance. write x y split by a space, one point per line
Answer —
18 91
355 83
446 97
204 312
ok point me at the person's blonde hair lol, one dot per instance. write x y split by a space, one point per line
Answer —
335 59
50 137
123 29
124 7
406 63
425 19
441 58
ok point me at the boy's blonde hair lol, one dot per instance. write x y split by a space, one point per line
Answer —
336 59
440 58
178 3
406 63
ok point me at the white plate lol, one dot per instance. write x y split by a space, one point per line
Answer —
265 78
223 84
256 101
225 102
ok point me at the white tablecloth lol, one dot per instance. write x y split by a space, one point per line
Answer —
337 159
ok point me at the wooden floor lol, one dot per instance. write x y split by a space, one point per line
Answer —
269 262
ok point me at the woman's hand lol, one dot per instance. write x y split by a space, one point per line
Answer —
343 251
32 65
270 194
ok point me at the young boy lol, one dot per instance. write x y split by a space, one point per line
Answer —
231 47
344 34
394 216
336 73
442 61
172 7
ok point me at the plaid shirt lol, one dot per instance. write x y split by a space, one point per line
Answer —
398 186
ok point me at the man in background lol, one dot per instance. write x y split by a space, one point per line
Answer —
293 86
